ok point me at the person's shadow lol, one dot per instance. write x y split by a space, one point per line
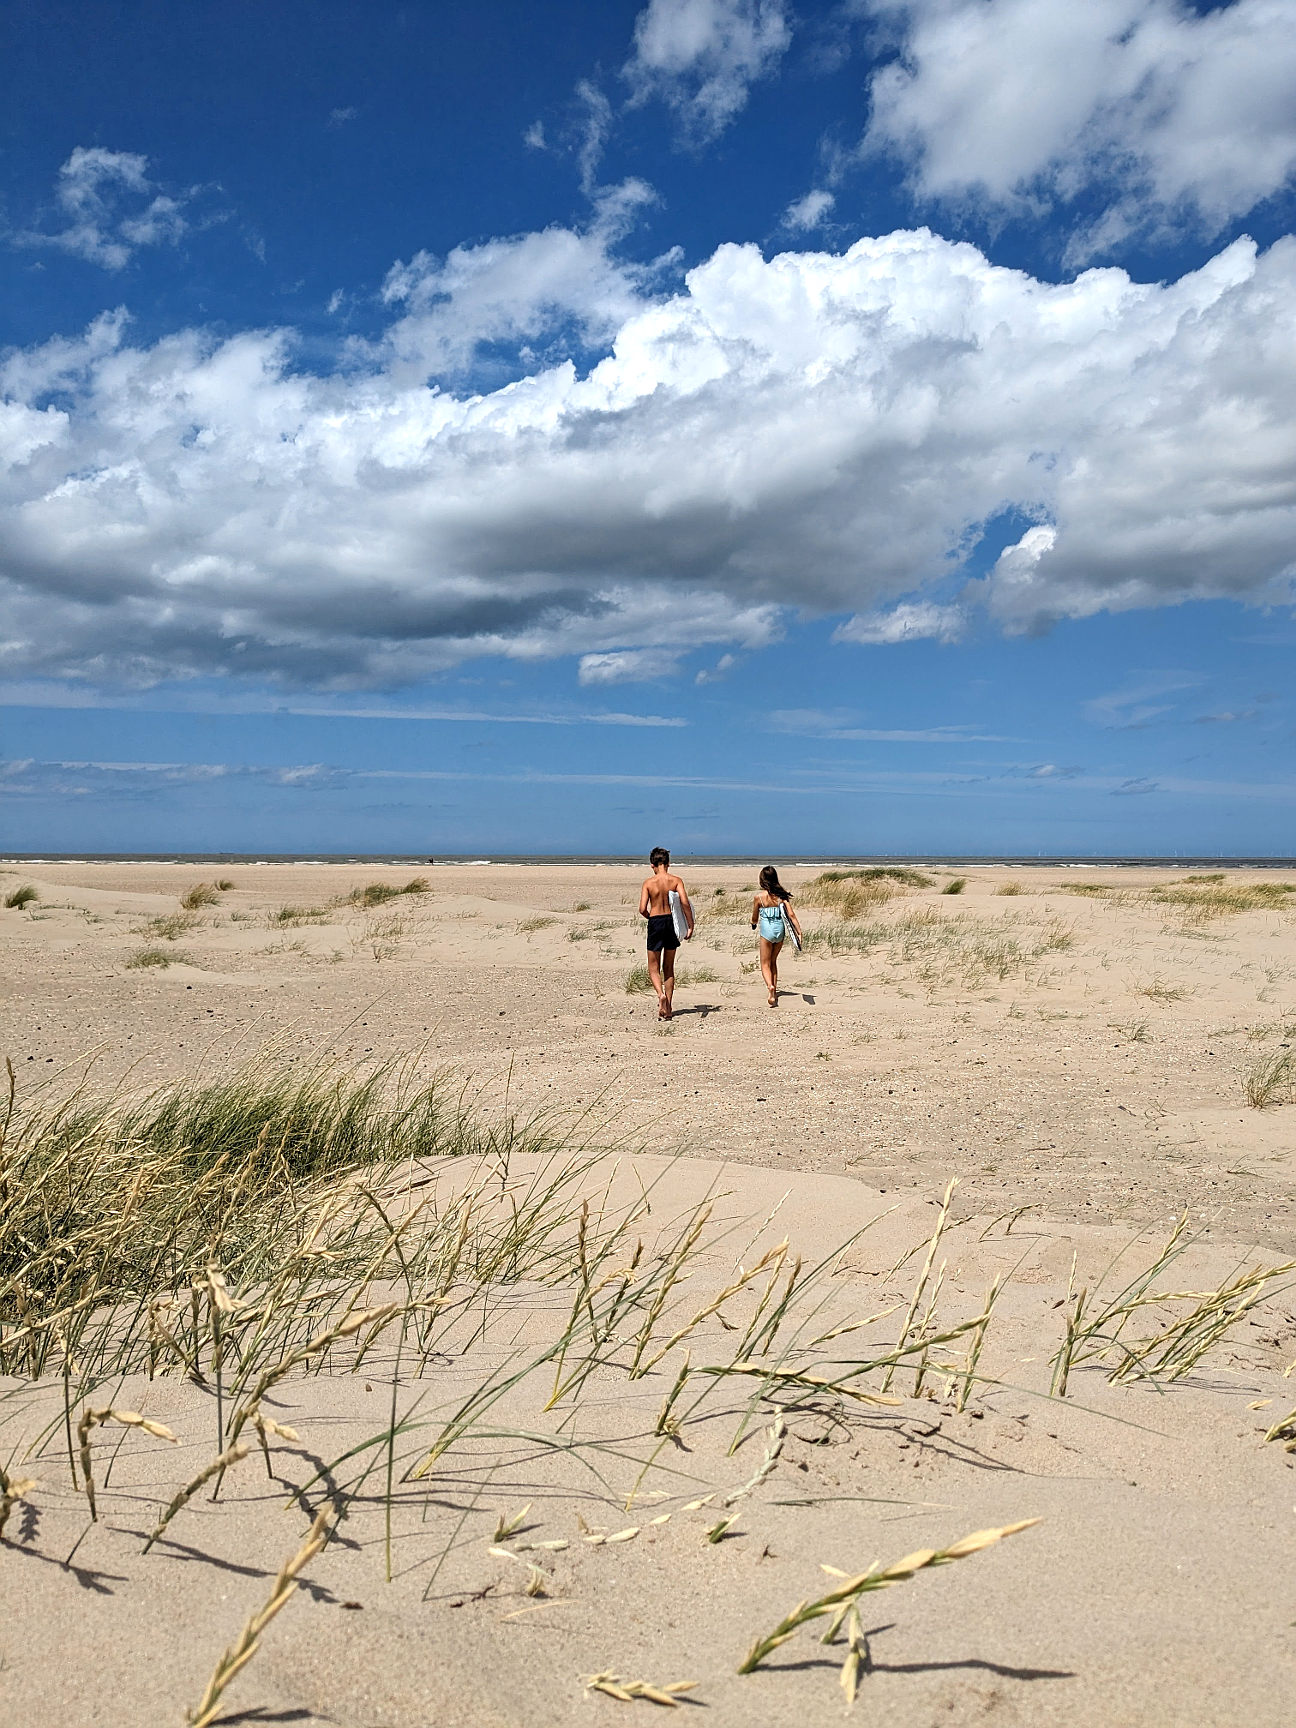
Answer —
702 1009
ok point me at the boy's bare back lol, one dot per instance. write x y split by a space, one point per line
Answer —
657 890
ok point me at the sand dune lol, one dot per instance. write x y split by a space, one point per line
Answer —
1078 1061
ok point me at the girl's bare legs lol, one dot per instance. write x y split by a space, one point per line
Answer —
769 953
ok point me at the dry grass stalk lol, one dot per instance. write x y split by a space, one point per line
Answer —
267 1429
12 1490
91 1419
838 1602
506 1527
1284 1430
674 1268
921 1286
218 1466
1094 1332
237 1656
344 1329
974 1348
775 1258
667 1422
626 1691
773 1452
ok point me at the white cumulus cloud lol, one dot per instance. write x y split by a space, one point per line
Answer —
702 56
1170 110
911 621
820 432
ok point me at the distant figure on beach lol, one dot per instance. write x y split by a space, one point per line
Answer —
664 902
773 916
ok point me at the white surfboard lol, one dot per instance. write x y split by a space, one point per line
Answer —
677 916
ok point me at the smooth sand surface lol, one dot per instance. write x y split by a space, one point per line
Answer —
1077 1055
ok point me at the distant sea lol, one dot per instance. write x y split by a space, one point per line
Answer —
694 860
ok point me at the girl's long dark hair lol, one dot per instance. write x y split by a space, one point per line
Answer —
770 883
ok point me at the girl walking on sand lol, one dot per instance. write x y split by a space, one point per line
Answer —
773 917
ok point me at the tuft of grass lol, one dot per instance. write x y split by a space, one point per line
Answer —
376 893
1157 990
290 916
955 885
637 981
1271 1079
1133 1031
201 894
1098 1330
171 926
583 906
528 926
21 897
1010 888
689 975
900 873
144 957
225 886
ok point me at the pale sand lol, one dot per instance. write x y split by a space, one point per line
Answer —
1158 1590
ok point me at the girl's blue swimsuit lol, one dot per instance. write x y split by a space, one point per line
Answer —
772 924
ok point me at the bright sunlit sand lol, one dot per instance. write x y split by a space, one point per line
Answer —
374 1255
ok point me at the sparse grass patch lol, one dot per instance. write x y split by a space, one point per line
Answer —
225 886
1271 1079
687 976
1133 1031
21 897
144 957
1157 990
583 906
288 917
1199 902
854 893
171 926
955 885
1010 888
637 981
385 935
942 950
529 926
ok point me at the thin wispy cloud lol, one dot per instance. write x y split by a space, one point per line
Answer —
840 724
109 208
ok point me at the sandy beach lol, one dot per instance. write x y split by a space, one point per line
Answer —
1079 1050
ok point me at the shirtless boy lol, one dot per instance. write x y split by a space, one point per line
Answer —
654 905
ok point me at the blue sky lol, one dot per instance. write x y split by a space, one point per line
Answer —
823 429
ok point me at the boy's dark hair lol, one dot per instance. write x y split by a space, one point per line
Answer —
658 855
